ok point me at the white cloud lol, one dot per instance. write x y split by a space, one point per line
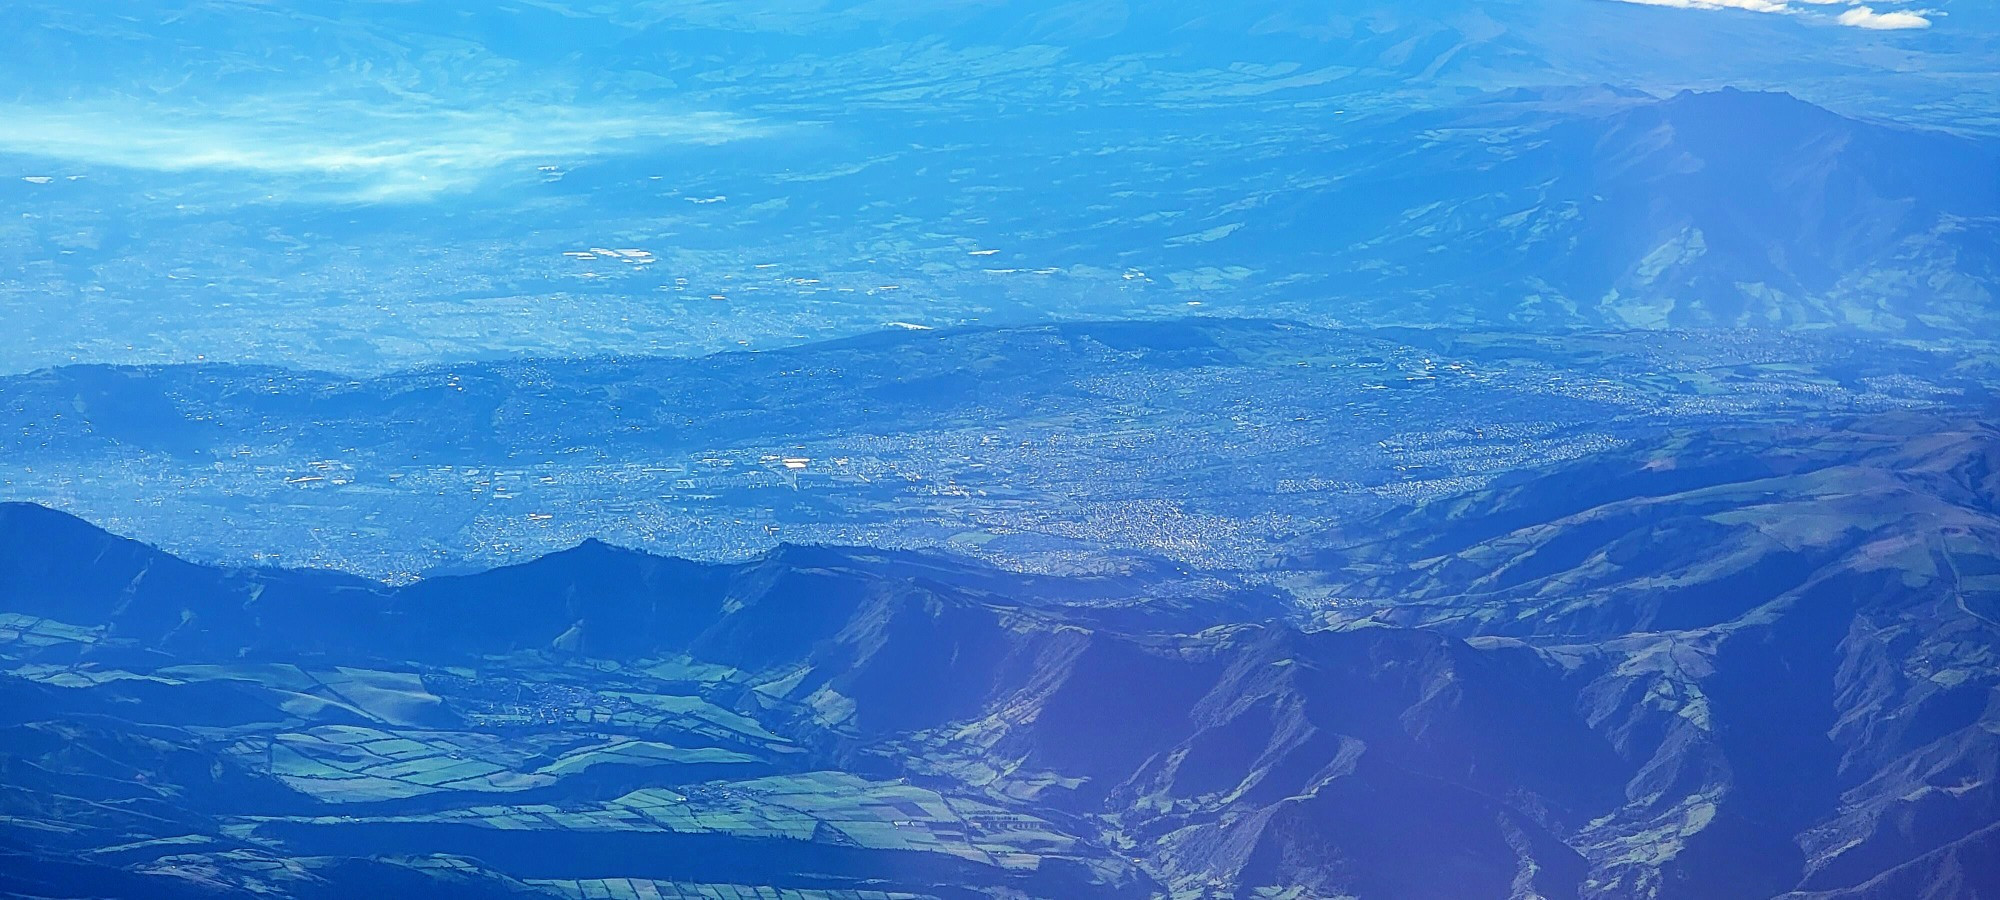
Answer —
1895 20
347 150
1763 6
1856 16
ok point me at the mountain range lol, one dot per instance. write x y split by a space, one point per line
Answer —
902 450
1743 663
1207 441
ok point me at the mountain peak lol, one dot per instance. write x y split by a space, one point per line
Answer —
1751 112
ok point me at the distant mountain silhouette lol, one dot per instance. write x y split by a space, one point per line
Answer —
1723 208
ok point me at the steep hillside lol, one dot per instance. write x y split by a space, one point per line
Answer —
1790 631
